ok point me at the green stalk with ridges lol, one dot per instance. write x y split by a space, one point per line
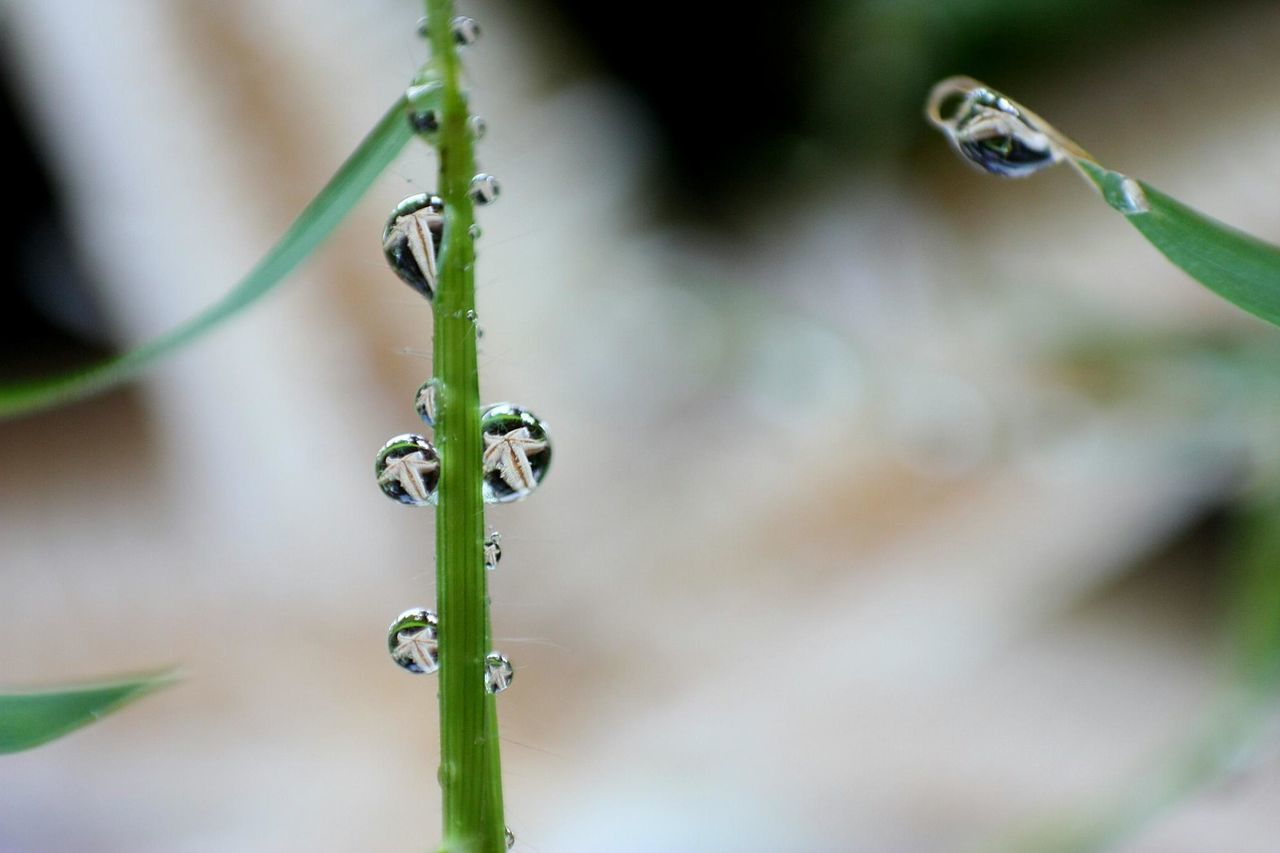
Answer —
470 768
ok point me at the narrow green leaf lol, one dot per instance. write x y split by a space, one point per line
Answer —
308 231
1239 268
30 718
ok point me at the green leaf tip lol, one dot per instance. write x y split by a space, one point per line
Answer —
312 227
29 718
998 135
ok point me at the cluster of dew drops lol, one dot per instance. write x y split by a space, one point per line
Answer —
516 446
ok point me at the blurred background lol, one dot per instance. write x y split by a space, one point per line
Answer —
894 507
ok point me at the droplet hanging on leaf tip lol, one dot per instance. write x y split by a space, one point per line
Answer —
484 188
498 673
414 642
412 239
992 132
516 452
408 470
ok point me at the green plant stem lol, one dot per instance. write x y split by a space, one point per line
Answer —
470 768
382 145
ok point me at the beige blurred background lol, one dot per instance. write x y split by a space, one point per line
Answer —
831 557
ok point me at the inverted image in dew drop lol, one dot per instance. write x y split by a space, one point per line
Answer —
412 238
414 641
498 673
408 470
991 131
517 452
424 402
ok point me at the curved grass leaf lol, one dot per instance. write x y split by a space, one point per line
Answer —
1239 268
30 718
308 231
999 135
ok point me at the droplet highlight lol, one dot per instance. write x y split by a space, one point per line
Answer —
414 641
517 452
465 30
498 673
492 550
992 132
408 470
412 240
484 189
426 400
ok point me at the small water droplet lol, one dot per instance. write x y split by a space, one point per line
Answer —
408 470
1124 194
478 127
412 239
474 231
414 641
492 550
424 121
424 402
991 131
484 188
423 32
465 30
511 838
517 452
471 315
498 673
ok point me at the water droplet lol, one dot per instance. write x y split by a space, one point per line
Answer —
478 127
465 30
484 188
414 642
424 121
517 452
423 32
471 315
498 673
1124 194
991 131
474 231
511 839
412 240
492 550
424 402
408 470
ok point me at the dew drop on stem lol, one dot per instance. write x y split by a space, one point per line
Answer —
424 121
498 673
426 401
492 550
474 231
517 452
408 470
477 126
511 838
412 239
465 30
484 189
414 641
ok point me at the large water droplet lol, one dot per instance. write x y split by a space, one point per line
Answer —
412 240
425 401
414 642
408 470
484 188
498 673
465 30
991 131
492 550
517 452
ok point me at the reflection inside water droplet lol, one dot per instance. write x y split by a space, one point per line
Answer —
465 30
484 188
413 640
424 402
412 239
517 452
498 673
408 470
991 131
492 550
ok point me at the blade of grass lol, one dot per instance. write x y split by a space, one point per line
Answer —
33 717
1241 269
308 231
